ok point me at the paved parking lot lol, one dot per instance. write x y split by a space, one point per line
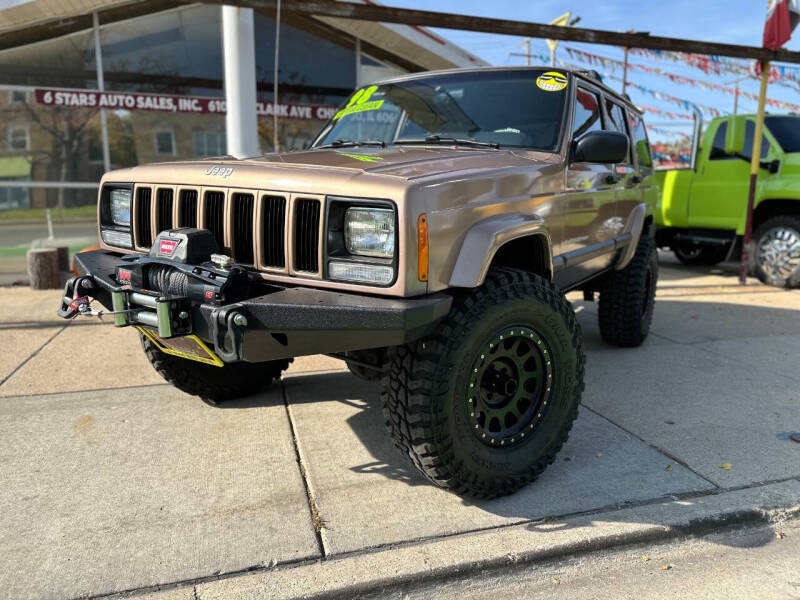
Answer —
115 482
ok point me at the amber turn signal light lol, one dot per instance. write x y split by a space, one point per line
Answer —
422 247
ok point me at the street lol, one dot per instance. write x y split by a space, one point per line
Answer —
19 234
115 481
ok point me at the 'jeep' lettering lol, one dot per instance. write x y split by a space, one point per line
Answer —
219 171
167 247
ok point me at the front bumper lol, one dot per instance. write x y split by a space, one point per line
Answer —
274 321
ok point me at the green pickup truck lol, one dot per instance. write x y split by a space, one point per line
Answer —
702 213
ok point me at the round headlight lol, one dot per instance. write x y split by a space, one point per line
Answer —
369 231
121 207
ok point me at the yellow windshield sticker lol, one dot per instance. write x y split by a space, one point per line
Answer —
360 103
361 157
551 81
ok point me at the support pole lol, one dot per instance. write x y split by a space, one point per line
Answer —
625 71
528 52
275 137
755 161
98 61
239 60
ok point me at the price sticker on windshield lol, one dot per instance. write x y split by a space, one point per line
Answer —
360 102
551 81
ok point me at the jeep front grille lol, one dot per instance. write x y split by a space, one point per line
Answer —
163 209
242 228
187 208
262 229
215 216
306 235
273 227
144 233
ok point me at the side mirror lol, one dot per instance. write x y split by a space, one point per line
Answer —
601 147
734 137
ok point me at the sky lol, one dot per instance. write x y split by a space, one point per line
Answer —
729 21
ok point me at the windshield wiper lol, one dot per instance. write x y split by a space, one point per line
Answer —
439 139
346 143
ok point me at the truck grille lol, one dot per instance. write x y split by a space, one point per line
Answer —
215 216
273 227
306 234
261 228
187 208
144 234
163 209
242 228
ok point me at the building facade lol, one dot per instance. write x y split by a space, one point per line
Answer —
163 94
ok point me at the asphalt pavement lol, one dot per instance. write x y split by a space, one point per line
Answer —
115 483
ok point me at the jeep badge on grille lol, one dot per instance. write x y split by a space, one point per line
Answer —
219 171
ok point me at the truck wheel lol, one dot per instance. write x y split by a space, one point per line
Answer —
483 405
774 253
627 298
213 384
698 255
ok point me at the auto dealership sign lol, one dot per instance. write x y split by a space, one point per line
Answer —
176 104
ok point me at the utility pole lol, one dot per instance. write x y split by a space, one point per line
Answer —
736 93
625 71
528 51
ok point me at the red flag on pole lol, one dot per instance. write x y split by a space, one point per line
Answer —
782 18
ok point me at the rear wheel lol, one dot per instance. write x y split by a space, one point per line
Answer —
213 384
774 253
483 405
627 298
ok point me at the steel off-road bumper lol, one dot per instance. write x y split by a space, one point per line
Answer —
277 322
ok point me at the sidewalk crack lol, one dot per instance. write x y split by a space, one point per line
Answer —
316 520
33 354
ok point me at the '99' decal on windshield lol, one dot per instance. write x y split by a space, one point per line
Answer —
551 81
360 102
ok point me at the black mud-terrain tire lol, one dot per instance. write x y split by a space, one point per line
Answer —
786 230
700 255
627 298
213 385
426 394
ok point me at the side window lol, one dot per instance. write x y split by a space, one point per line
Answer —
640 144
718 146
587 113
616 117
749 134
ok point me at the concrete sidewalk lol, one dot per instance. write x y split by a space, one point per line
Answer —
116 483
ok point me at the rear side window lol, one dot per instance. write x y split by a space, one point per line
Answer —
587 113
640 143
749 134
718 146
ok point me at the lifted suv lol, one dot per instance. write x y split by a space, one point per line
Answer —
427 238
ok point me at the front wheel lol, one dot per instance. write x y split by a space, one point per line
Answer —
774 253
483 405
213 385
627 298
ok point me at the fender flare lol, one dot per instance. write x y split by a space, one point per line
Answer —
485 237
635 229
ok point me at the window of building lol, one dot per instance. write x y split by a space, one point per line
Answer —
14 197
19 138
17 97
640 143
587 114
165 143
209 143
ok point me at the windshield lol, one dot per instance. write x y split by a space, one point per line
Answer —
522 108
786 130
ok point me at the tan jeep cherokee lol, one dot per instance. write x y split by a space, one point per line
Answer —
427 238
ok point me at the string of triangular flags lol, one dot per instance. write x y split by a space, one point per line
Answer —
605 62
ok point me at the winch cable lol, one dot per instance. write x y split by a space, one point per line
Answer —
168 280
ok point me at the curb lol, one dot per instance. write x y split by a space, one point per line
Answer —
507 547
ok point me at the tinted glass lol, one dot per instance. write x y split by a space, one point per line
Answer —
749 132
718 147
786 131
587 113
617 120
507 107
640 144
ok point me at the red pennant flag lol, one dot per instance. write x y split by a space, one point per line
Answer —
782 18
